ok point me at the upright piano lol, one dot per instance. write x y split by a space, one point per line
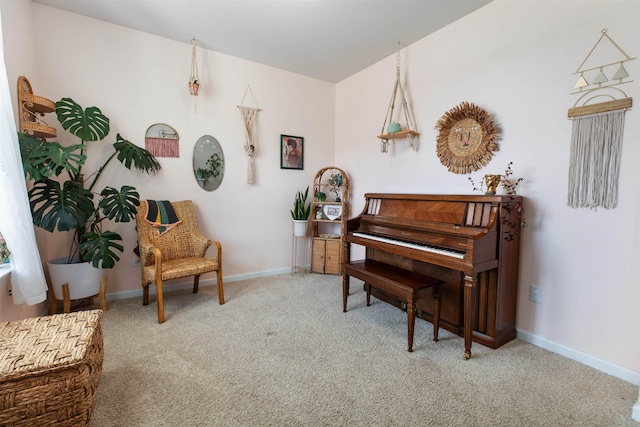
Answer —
470 242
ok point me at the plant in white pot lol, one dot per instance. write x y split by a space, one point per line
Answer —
300 213
63 198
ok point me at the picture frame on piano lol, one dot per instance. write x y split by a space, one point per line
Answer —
291 152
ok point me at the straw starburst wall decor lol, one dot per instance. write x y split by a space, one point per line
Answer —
466 138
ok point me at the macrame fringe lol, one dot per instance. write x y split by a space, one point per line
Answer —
249 116
596 146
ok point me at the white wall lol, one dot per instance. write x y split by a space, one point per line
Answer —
515 59
138 79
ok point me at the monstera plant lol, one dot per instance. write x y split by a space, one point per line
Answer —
65 198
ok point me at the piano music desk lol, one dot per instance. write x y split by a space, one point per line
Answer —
405 285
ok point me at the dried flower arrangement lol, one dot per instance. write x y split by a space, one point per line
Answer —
509 184
505 181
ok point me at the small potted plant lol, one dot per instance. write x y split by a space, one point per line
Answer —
335 181
194 87
320 196
300 213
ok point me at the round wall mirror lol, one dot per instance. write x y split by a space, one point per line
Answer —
208 163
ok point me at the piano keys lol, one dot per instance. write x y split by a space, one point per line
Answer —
413 245
470 242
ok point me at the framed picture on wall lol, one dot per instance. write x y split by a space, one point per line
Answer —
291 152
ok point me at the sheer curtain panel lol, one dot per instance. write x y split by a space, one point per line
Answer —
27 278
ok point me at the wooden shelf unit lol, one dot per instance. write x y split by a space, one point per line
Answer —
328 248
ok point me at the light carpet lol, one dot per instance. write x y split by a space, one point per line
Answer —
281 352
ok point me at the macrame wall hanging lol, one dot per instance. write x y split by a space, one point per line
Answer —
194 79
394 129
250 121
597 129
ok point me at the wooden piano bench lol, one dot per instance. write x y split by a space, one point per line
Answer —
405 285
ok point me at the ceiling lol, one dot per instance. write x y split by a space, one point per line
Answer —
325 39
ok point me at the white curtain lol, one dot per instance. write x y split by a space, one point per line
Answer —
27 278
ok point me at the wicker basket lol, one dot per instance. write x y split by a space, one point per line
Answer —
49 369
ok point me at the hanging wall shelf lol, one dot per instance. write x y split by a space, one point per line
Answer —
399 135
32 108
395 130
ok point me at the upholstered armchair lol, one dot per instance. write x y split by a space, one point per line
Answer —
175 252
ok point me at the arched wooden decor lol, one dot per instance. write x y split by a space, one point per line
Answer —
162 140
466 138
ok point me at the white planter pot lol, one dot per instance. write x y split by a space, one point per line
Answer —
83 279
300 227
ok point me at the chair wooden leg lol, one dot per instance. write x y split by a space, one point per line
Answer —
103 293
160 299
145 294
220 289
196 282
66 302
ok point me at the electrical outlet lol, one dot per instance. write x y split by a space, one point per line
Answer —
9 291
535 294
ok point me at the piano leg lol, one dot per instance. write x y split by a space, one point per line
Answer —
436 313
411 322
469 285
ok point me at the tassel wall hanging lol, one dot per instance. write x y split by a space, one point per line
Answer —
597 131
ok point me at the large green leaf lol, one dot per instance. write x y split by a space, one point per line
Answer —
65 208
120 206
97 248
129 153
41 160
88 125
36 160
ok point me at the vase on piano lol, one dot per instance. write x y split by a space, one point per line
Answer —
492 182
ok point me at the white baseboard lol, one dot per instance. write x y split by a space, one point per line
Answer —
189 284
602 365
